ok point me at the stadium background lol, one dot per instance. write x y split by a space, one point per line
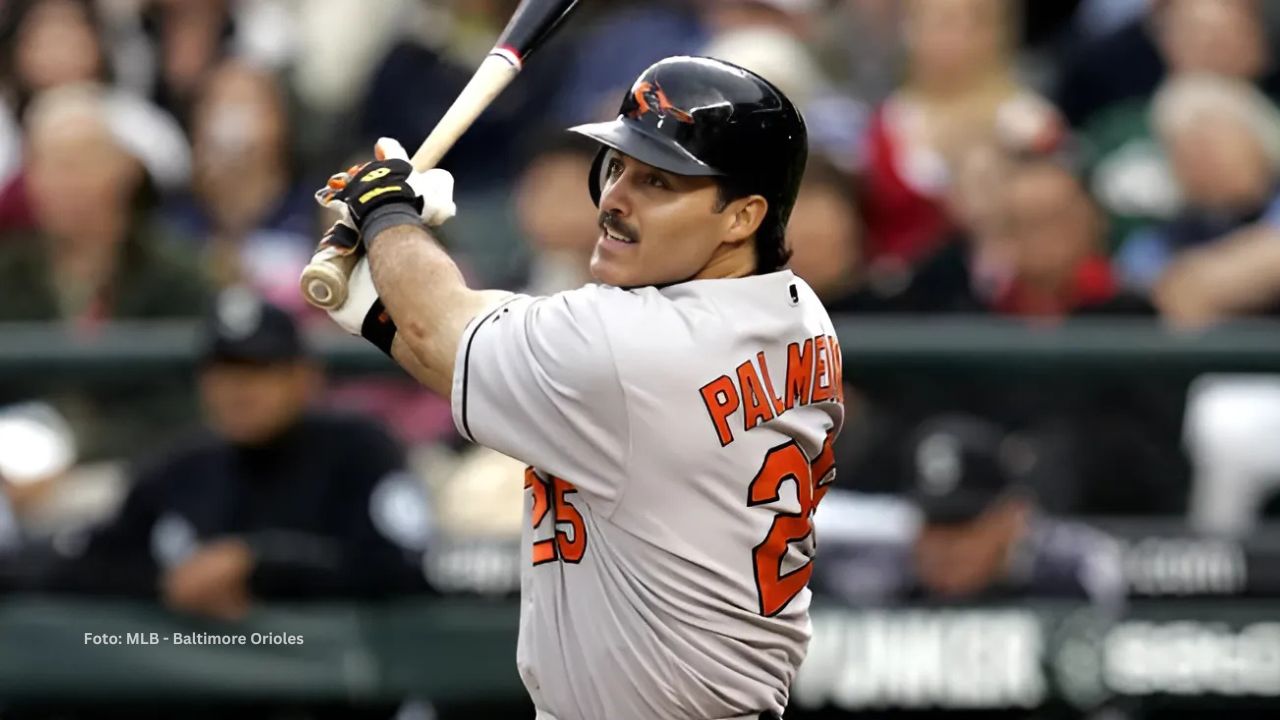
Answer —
1056 220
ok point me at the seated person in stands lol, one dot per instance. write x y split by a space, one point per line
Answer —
249 218
981 536
1217 259
95 257
1056 239
1034 242
826 239
271 502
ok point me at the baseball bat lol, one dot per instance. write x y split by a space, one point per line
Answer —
324 281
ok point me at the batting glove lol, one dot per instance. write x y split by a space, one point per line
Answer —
388 192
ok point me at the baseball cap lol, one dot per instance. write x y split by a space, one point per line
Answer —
961 465
244 328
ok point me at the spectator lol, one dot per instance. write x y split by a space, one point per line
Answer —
93 254
1214 261
960 72
94 257
1129 174
981 535
556 214
43 44
254 221
975 264
825 237
272 502
1032 242
1057 239
1176 36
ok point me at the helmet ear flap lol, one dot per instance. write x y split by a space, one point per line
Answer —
595 182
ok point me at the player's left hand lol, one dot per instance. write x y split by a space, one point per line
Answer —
388 180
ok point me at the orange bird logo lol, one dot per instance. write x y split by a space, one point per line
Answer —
651 99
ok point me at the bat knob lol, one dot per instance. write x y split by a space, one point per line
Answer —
320 292
324 283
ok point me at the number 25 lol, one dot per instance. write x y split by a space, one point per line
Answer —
783 463
549 498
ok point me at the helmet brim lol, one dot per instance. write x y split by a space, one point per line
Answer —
648 147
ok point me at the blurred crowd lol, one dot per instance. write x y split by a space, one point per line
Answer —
1035 161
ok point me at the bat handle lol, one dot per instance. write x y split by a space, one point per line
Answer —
324 281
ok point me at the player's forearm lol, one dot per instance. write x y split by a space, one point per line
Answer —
435 379
425 294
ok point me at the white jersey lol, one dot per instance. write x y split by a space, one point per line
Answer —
678 439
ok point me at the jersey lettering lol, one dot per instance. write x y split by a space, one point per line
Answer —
721 398
758 410
822 387
778 407
814 375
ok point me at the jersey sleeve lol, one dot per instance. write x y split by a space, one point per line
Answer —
536 379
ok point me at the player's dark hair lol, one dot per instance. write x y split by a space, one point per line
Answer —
772 252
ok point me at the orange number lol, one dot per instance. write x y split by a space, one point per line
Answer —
568 547
783 463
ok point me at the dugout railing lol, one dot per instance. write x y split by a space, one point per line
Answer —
881 342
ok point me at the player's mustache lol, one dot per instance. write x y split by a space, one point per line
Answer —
609 221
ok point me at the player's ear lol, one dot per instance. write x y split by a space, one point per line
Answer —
745 217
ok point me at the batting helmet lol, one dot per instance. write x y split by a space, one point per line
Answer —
705 117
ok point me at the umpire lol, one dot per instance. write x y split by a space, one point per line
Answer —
271 502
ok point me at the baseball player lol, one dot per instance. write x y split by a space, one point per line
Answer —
677 418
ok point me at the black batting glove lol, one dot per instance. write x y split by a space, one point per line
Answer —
365 189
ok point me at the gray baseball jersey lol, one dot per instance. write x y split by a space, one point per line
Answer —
679 440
